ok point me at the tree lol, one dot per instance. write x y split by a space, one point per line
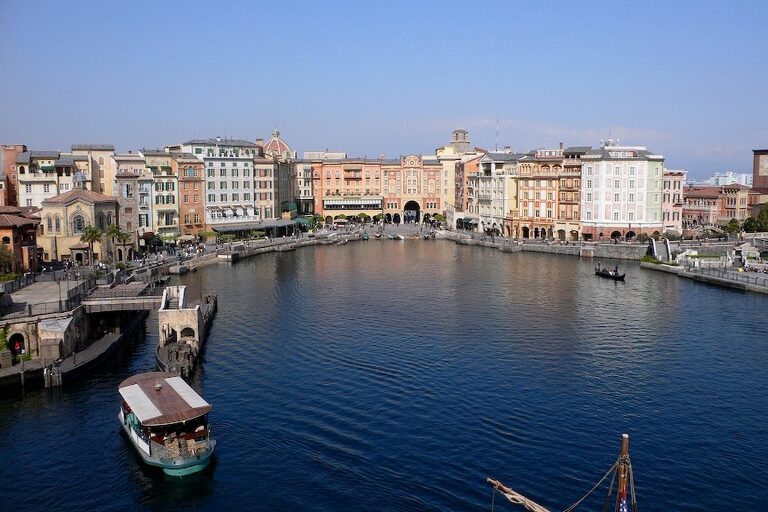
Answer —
90 236
438 217
750 225
733 226
6 260
363 217
113 232
123 238
762 219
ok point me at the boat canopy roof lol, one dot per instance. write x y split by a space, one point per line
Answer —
158 398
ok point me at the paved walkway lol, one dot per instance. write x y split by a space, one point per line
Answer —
47 291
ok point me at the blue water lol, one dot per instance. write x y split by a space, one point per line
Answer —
399 375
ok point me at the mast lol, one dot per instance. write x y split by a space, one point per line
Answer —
622 472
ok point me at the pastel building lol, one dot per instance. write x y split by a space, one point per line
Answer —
494 196
135 209
621 191
100 165
568 223
191 194
165 221
539 177
672 201
18 234
8 179
65 217
44 174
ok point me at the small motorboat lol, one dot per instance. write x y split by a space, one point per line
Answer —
399 237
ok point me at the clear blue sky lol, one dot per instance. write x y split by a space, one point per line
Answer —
687 79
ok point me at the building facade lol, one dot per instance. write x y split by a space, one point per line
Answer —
18 235
622 192
191 194
672 200
101 165
8 180
65 217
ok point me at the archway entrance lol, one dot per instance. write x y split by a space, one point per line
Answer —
615 235
187 332
411 212
79 257
388 218
574 235
526 232
329 220
561 235
427 218
535 232
16 344
631 235
396 219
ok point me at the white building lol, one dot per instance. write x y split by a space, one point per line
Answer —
621 191
494 190
230 178
44 174
730 178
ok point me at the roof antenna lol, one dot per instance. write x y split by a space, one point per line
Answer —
497 135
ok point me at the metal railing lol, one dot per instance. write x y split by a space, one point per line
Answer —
753 278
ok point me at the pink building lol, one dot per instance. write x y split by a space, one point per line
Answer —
672 200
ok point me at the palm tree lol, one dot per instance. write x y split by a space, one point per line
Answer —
91 235
123 238
113 232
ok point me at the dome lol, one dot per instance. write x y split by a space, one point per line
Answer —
277 146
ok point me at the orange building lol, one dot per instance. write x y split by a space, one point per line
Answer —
189 170
18 234
403 190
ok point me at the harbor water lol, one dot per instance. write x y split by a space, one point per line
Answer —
398 375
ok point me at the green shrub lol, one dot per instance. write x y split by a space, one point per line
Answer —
650 259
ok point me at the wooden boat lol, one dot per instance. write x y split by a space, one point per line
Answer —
610 274
622 476
166 421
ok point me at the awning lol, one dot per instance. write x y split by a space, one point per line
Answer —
186 238
157 399
302 220
340 221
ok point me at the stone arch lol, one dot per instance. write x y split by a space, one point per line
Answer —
526 232
535 232
16 343
631 234
396 219
188 332
119 254
6 240
411 212
561 235
427 218
615 234
388 218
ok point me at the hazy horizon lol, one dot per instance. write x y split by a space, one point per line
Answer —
687 80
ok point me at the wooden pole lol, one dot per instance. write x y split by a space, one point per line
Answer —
622 470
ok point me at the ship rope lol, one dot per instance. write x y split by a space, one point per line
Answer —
612 469
516 498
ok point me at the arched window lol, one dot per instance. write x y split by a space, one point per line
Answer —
101 160
6 240
49 223
190 172
101 221
21 169
109 218
57 223
78 224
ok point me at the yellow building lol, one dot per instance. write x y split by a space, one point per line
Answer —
63 220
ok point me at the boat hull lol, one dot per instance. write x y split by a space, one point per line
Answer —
615 277
179 466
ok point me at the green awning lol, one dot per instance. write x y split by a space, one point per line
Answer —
47 168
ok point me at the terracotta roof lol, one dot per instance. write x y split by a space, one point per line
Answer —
7 221
84 195
710 192
276 145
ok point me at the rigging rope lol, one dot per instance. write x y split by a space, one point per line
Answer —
607 502
515 497
612 468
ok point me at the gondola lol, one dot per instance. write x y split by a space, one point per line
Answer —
610 274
